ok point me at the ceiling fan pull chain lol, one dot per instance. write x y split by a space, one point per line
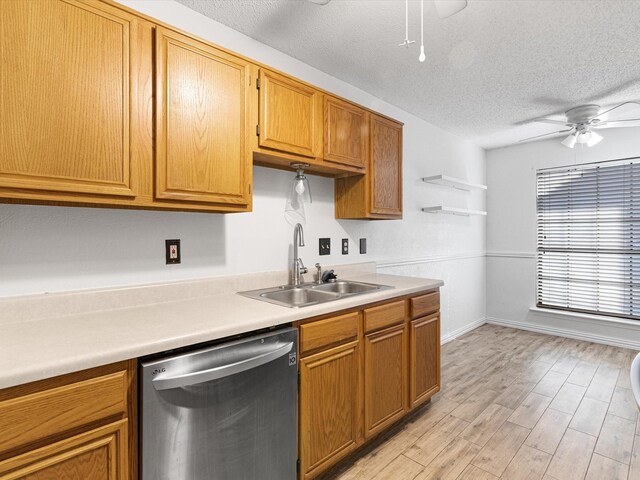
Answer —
406 42
422 56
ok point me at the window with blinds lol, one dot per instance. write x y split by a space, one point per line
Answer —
589 238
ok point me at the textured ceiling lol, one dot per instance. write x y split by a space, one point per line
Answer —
489 70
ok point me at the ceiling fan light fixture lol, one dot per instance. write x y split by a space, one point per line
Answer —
594 139
570 141
582 122
584 137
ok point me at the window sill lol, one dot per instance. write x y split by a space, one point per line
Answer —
584 316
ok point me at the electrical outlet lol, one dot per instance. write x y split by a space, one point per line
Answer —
363 245
325 246
172 251
345 246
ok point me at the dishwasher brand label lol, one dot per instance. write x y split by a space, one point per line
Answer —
292 359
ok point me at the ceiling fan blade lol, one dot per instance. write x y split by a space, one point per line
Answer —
613 108
447 8
631 122
319 2
545 135
551 120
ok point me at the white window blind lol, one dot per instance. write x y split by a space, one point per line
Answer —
589 238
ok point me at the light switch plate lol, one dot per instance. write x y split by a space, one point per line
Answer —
325 246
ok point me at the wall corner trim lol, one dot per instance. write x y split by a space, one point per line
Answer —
462 330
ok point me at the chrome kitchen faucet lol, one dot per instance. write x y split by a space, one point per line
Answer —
298 266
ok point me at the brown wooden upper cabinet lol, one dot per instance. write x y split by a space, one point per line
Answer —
386 166
346 133
290 116
202 122
378 193
116 110
77 117
67 102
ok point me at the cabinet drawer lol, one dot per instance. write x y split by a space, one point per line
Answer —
330 331
39 415
384 316
425 304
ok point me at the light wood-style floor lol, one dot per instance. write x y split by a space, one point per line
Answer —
515 405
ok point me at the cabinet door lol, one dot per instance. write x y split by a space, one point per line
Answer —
202 97
385 366
425 359
386 167
99 454
290 116
67 94
329 407
346 133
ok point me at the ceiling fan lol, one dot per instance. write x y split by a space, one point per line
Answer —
582 121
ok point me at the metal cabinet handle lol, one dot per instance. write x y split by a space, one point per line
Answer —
202 376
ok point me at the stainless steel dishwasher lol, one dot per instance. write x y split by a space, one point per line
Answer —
227 412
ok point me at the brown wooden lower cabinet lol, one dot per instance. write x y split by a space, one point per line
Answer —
77 426
329 407
385 367
424 380
99 454
352 392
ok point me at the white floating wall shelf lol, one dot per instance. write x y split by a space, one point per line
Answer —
453 183
453 211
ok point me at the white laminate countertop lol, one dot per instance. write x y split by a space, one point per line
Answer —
34 346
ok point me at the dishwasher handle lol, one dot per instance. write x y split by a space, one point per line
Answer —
202 376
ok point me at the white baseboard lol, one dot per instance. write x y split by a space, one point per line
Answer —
562 332
461 331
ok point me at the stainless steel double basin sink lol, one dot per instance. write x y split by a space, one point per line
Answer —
312 293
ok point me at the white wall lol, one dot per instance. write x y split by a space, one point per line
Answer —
51 249
511 234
